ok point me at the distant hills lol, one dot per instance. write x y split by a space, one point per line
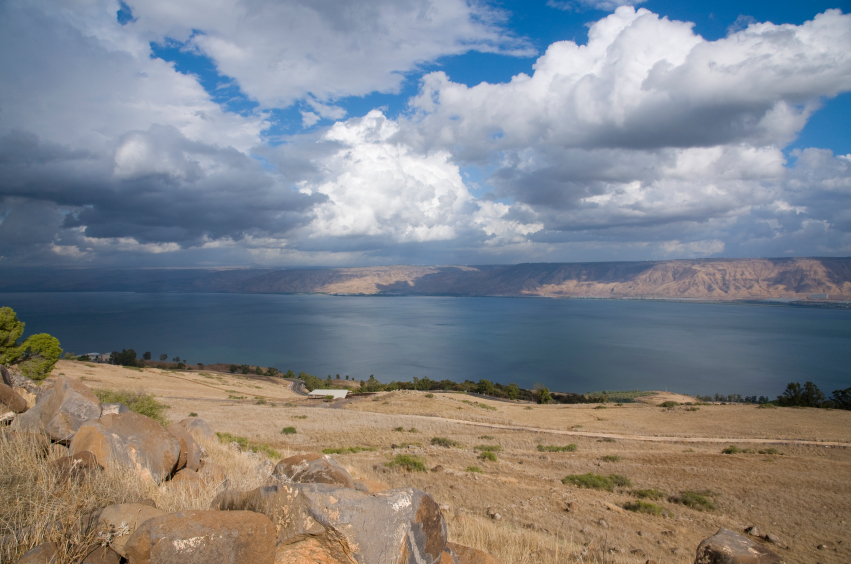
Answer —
704 279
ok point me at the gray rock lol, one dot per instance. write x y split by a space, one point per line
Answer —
198 428
753 530
190 452
312 468
395 526
11 399
42 554
60 410
727 547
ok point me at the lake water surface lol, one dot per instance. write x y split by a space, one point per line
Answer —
568 345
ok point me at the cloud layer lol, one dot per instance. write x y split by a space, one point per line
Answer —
647 142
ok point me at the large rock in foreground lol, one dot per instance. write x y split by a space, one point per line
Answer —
203 537
121 521
727 547
131 440
313 469
190 451
392 527
60 410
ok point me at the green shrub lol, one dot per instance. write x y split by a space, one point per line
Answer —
668 404
487 438
648 494
766 406
288 431
137 402
444 442
695 500
611 458
429 396
644 507
400 429
600 407
528 408
693 409
40 353
347 450
408 462
299 416
193 414
552 448
245 444
606 440
769 451
487 448
413 430
488 455
597 481
261 401
475 469
732 449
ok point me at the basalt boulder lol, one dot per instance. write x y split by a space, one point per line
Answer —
12 399
727 547
202 537
312 469
466 555
121 521
198 428
399 526
60 410
132 440
190 451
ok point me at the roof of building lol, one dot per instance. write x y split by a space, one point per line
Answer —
338 394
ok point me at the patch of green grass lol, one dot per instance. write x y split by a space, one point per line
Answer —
485 406
474 469
600 407
137 402
528 408
770 451
732 449
429 396
668 404
299 416
413 430
606 440
347 450
552 448
408 462
136 368
444 442
231 396
611 458
193 414
245 444
597 481
648 494
487 448
399 429
644 507
288 431
695 500
623 396
692 408
261 401
288 404
487 438
488 455
766 406
619 404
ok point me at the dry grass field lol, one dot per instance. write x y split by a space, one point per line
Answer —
800 492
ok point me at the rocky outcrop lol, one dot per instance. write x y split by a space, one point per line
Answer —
131 440
312 469
727 547
60 410
391 527
190 452
202 537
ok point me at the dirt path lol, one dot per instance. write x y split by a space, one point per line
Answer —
648 438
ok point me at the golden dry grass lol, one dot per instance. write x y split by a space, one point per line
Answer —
800 495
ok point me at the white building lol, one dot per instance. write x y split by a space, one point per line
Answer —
338 394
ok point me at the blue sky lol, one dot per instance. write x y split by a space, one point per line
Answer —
428 132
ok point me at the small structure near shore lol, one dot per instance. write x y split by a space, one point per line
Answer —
320 394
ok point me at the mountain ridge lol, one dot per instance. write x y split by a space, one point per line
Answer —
707 279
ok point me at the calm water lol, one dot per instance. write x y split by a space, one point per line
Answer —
568 345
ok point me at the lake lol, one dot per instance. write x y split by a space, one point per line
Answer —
567 345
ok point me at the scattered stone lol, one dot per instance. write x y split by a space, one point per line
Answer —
602 523
198 428
42 554
312 469
821 546
203 536
113 408
190 452
753 530
727 547
11 399
131 440
404 522
466 555
60 410
235 446
121 520
437 468
773 539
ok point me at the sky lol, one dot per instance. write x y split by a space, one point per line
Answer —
259 133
